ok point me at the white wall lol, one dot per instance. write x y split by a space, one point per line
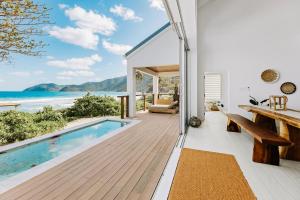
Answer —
161 50
242 38
195 81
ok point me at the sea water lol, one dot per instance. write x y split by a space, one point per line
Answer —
35 101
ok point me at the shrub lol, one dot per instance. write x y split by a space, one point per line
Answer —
48 114
18 126
93 106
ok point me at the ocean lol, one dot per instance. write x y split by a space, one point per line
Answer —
35 101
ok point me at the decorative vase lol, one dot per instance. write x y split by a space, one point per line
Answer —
195 122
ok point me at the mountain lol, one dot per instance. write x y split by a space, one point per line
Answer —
117 84
50 87
113 85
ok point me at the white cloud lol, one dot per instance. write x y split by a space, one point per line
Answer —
118 49
74 74
50 57
20 74
84 63
81 37
124 62
157 4
88 25
62 6
125 13
38 72
91 20
1 80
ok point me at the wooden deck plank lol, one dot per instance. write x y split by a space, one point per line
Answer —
75 163
103 171
111 190
51 177
134 179
147 183
99 179
79 175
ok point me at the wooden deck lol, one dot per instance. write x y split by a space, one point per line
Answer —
126 166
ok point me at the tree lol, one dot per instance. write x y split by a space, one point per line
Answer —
21 22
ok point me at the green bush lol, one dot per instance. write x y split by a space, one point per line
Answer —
48 114
18 126
93 106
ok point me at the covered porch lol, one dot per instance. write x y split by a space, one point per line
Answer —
157 56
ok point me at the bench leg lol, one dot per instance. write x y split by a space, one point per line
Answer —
233 127
265 153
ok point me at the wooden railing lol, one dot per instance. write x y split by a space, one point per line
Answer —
125 102
124 105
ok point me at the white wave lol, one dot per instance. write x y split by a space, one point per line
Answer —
45 100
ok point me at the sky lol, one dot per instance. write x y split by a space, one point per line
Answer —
86 42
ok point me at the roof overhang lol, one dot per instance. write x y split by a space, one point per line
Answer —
168 70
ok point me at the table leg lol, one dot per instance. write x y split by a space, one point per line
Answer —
283 132
264 122
293 152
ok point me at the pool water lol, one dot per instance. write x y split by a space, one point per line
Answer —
23 158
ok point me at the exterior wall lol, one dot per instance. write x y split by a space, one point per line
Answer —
242 38
161 50
195 78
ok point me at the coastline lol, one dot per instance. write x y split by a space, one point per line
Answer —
35 101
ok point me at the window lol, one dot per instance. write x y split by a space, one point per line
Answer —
212 87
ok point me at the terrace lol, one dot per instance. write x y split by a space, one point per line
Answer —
126 166
148 160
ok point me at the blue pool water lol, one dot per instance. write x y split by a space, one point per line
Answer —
21 159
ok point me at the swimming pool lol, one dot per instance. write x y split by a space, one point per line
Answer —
18 160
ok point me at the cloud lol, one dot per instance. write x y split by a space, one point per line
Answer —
157 4
88 25
38 72
124 62
73 74
62 6
50 57
84 63
125 13
20 74
118 49
91 20
81 37
1 80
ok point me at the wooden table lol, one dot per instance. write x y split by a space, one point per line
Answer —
289 127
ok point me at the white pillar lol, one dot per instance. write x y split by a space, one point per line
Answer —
131 90
155 86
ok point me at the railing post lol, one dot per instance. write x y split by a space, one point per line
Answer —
127 106
153 99
122 107
144 102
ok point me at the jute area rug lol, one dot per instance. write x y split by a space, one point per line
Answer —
202 175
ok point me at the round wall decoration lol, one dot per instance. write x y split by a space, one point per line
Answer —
288 88
270 76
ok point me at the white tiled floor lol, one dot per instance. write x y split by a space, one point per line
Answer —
267 182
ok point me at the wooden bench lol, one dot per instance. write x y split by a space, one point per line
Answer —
266 141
